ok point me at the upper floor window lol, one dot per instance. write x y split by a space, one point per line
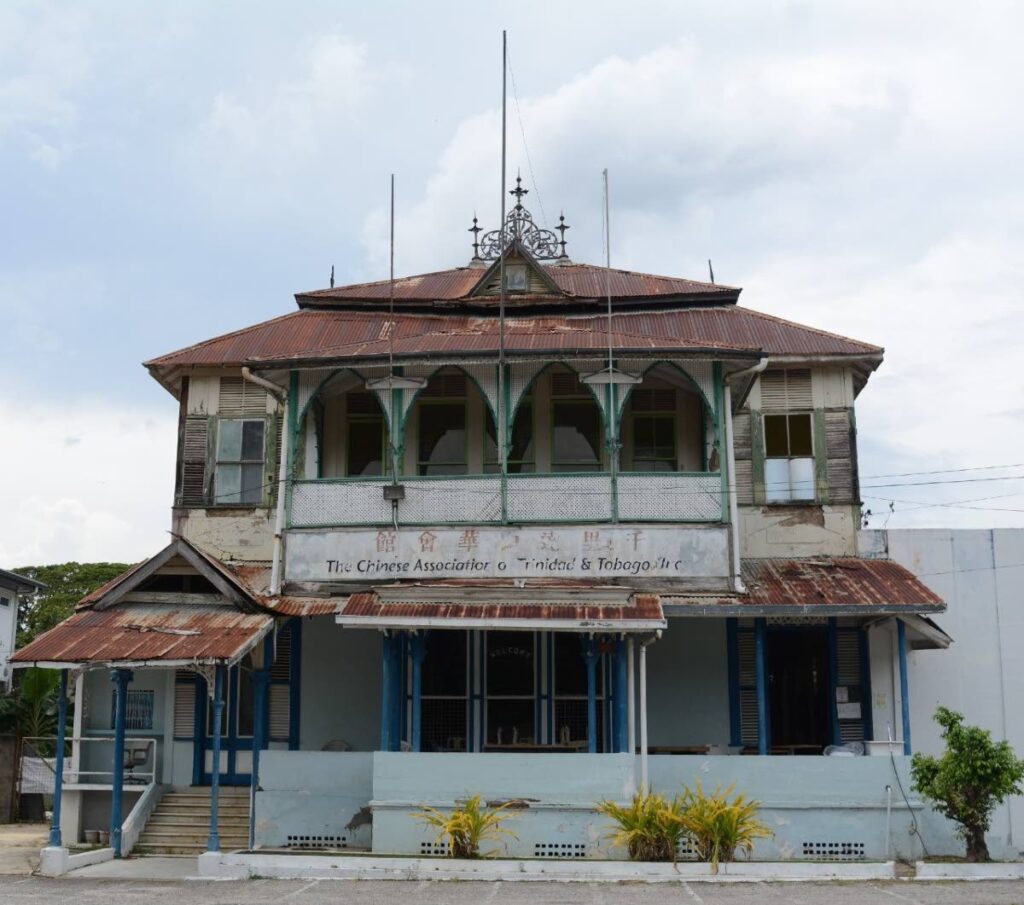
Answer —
366 451
789 458
653 415
575 425
521 456
443 447
238 478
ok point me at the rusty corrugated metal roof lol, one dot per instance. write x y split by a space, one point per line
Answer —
319 335
137 633
824 583
642 613
576 281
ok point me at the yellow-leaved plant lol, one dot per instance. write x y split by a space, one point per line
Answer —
473 821
649 828
718 826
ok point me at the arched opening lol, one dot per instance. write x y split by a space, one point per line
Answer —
664 424
354 442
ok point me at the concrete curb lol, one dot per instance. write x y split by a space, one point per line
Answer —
1000 870
55 862
238 866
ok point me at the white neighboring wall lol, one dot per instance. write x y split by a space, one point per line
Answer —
8 631
980 575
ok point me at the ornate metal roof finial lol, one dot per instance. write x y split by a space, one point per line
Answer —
519 191
475 230
562 227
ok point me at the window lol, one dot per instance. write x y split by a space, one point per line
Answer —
653 413
366 451
576 425
5 601
138 710
238 480
442 426
516 278
520 454
789 458
510 688
570 692
444 691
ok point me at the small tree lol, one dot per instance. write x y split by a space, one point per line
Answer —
967 782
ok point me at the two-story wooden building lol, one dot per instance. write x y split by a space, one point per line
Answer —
447 535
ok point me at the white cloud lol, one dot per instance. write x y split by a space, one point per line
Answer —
105 496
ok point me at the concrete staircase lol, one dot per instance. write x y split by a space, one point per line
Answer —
180 824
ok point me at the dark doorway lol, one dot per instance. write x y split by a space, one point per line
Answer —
798 697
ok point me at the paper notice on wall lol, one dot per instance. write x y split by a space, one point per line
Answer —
848 711
842 694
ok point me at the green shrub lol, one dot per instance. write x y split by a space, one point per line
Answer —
718 826
973 775
649 828
469 824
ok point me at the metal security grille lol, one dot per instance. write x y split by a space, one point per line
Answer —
572 714
444 724
138 710
673 498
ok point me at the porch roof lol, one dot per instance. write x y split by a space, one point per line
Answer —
832 586
628 613
140 634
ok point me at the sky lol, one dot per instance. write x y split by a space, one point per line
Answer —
174 171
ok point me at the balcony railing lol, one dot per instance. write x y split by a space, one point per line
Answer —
529 498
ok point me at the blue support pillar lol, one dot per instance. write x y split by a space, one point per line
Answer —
58 785
213 841
761 663
590 655
418 650
261 682
120 678
901 637
387 693
398 709
833 680
621 697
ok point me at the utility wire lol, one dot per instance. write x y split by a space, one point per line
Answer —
526 147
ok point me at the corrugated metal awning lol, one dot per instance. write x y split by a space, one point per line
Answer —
638 613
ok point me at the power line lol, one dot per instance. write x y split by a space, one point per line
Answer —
526 147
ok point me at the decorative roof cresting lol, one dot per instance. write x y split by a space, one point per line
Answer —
519 227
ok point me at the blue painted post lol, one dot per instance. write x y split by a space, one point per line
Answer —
261 682
58 784
901 636
418 649
621 721
386 693
761 661
733 659
120 678
213 842
590 655
398 710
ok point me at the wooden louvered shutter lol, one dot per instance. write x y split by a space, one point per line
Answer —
746 661
279 723
786 390
240 397
194 456
184 704
849 660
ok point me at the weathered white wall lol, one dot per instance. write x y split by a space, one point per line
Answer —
8 630
810 530
980 575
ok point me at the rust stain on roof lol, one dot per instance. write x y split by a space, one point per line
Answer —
144 633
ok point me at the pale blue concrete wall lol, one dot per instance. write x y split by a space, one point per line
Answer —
688 685
313 797
341 672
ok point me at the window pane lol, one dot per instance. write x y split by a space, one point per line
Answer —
775 440
509 722
577 434
252 484
366 447
509 663
442 439
229 441
444 666
228 483
800 435
252 440
776 479
801 478
570 667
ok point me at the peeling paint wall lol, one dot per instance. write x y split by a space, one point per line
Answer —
808 530
246 535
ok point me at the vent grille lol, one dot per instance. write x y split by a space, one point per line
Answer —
786 390
834 851
309 842
280 713
240 397
560 850
433 848
184 704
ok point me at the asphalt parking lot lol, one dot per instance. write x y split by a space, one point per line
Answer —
38 891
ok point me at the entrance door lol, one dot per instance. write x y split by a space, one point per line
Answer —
236 729
798 678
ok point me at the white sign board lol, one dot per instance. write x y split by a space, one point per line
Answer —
619 551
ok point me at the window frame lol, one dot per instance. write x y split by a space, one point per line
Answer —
217 462
424 400
150 695
367 418
574 466
790 498
654 415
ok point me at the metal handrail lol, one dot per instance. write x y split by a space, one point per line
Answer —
75 775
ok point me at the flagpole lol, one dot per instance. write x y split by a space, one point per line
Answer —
501 426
